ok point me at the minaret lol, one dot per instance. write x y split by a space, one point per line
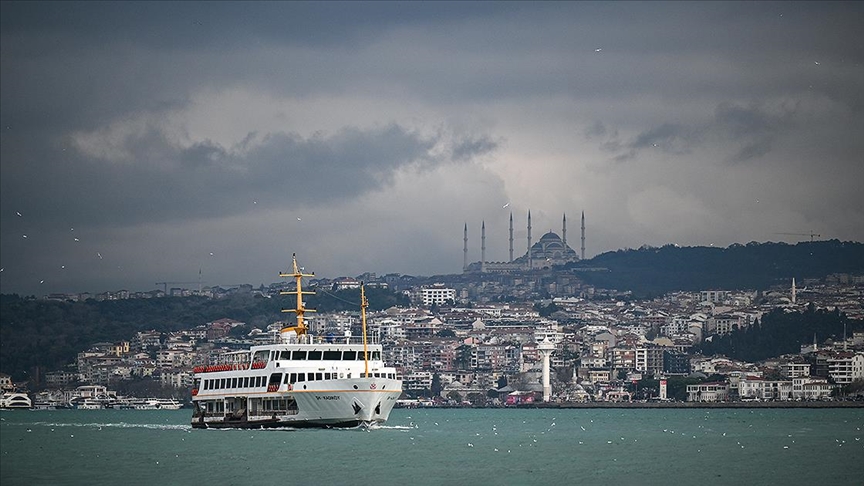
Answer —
465 249
483 247
564 230
511 236
529 240
793 290
583 236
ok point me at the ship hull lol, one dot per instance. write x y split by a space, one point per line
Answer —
338 404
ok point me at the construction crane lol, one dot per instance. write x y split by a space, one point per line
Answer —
165 284
810 234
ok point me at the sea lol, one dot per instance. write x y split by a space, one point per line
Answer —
429 446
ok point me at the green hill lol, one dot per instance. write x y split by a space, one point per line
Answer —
650 270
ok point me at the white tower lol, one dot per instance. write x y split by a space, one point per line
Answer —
546 347
793 290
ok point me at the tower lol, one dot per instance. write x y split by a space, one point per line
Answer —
483 247
529 240
546 347
465 250
582 255
793 290
564 230
511 236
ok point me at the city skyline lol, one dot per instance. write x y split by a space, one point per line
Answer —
146 142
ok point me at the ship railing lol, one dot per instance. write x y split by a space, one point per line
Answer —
334 339
262 414
225 367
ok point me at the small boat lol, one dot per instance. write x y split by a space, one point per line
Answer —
157 404
301 381
13 400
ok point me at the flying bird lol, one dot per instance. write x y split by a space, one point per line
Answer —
505 206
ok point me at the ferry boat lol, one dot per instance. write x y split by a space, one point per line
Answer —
301 381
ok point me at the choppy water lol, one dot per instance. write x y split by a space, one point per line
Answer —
435 446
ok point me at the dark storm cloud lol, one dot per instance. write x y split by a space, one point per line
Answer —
746 130
154 179
125 118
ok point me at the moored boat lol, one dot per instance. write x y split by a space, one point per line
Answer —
13 400
157 404
301 381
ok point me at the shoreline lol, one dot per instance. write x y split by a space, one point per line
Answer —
663 405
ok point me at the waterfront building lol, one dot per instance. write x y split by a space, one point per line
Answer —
846 367
708 392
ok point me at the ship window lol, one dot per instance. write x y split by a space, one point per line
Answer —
293 378
301 355
349 355
275 378
222 383
310 377
332 355
285 355
318 376
315 355
234 383
301 376
376 355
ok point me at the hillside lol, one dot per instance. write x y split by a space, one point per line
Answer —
50 334
650 270
781 333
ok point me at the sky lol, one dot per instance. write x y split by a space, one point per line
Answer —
148 142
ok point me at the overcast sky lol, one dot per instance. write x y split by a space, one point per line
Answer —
141 142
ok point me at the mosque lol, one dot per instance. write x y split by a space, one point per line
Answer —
550 250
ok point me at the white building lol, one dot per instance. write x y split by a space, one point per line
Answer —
846 367
762 389
436 294
806 388
708 392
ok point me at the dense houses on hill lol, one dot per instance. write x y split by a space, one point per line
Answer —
473 348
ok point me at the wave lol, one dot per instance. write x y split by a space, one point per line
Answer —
120 425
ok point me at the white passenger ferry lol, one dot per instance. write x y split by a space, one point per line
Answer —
302 381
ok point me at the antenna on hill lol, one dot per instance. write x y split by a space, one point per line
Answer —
810 234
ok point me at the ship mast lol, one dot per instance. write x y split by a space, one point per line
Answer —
363 305
300 328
